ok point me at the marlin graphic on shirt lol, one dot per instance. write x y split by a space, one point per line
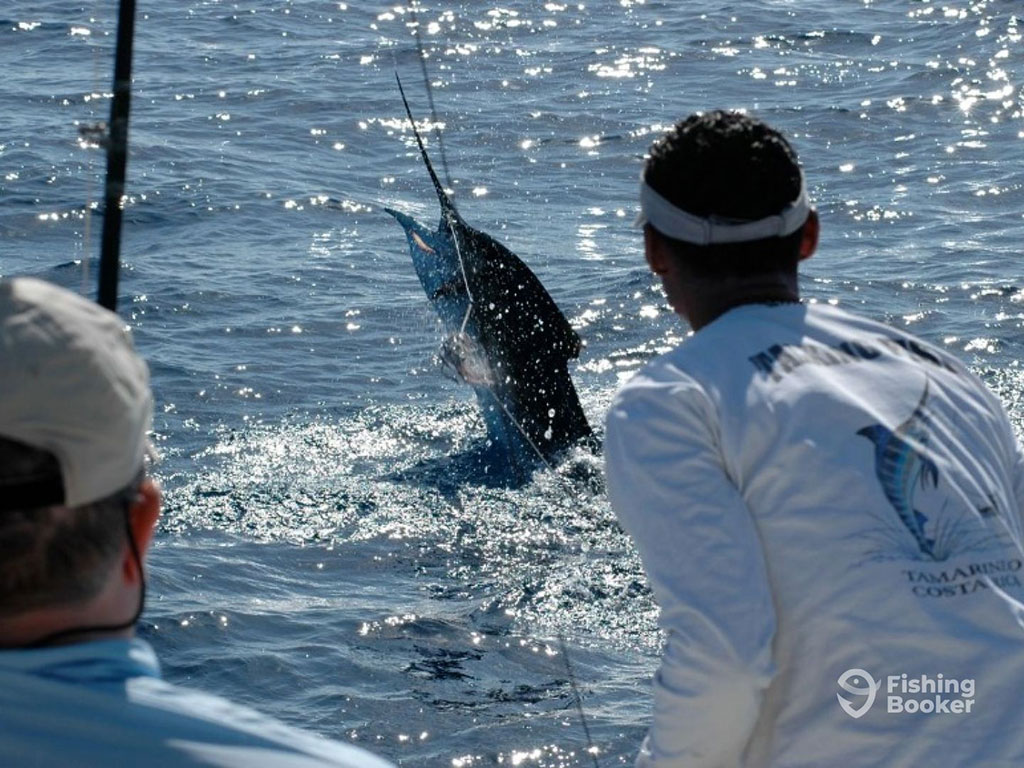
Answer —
901 464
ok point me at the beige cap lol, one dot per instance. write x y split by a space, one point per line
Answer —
72 384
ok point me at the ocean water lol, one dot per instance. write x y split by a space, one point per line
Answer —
330 553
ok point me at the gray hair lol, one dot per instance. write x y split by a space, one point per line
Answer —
55 555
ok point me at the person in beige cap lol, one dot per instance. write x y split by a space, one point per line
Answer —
77 515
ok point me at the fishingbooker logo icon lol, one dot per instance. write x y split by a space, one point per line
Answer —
859 683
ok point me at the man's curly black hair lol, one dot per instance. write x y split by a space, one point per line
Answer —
734 166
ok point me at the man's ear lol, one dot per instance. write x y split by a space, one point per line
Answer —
809 238
143 516
655 251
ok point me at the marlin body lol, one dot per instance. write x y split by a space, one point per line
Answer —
505 335
901 464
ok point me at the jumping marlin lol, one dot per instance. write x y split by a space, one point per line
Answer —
900 464
505 336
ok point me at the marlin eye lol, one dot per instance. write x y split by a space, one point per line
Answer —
422 245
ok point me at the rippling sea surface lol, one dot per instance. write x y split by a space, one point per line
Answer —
330 552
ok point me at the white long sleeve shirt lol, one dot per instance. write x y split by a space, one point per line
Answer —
824 505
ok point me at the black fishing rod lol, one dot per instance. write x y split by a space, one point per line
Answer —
117 156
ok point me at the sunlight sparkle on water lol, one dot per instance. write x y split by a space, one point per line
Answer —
982 345
519 757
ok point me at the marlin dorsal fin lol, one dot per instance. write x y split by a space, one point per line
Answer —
446 204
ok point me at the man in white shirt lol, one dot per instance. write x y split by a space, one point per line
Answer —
828 509
77 514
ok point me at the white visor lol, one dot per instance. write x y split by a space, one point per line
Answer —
678 224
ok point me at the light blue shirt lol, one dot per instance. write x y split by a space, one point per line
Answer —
104 704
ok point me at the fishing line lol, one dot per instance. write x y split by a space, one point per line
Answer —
422 55
465 322
576 697
87 232
430 94
532 444
465 280
89 134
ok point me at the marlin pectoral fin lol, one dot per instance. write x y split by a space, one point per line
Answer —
920 519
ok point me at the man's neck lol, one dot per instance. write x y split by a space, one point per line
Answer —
710 302
53 626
